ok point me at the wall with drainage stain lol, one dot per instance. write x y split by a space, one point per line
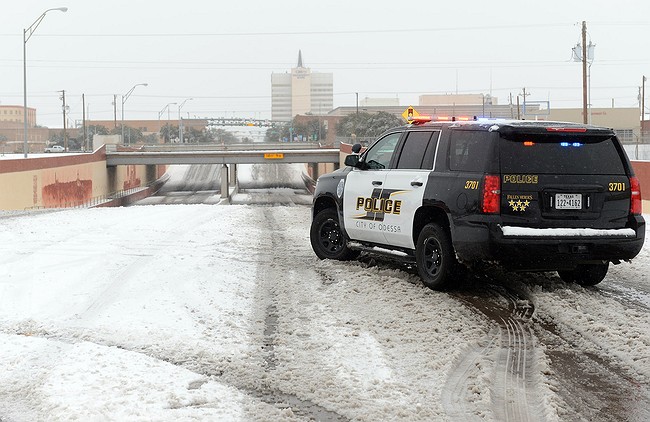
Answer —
642 171
58 181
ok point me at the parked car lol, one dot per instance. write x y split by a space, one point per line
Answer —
55 148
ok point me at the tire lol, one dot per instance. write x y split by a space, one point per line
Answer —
585 274
435 257
327 239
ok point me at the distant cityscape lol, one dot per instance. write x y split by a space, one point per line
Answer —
300 93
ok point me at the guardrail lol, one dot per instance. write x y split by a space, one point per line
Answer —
638 151
92 202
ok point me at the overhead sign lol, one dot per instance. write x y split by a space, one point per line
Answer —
274 156
409 114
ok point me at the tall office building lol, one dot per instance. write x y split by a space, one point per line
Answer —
300 92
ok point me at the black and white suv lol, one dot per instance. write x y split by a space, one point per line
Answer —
529 196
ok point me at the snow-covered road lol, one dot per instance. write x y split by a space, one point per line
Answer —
203 312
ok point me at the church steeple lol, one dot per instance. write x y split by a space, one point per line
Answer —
300 58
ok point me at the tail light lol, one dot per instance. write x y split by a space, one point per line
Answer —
635 196
491 195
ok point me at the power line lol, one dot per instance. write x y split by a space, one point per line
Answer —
324 32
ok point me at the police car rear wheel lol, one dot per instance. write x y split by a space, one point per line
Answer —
586 274
434 256
327 238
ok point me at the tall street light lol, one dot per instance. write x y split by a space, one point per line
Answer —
27 34
643 100
160 113
180 119
124 98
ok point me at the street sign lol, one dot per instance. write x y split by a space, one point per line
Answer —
409 114
274 156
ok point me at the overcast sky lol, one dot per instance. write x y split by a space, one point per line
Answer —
222 53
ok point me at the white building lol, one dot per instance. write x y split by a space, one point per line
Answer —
301 92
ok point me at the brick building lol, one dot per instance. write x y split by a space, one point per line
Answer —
12 127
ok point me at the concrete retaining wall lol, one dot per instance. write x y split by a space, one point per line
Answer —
60 181
642 171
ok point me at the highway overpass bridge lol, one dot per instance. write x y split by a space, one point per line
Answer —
227 156
202 154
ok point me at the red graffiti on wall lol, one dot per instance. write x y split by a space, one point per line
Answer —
132 179
67 194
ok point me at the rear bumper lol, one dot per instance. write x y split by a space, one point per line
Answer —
547 249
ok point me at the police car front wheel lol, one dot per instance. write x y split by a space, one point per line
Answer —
327 238
434 256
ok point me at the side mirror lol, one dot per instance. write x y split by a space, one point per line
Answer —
356 148
352 160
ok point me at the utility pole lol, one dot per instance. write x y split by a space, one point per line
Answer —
65 134
524 94
518 111
115 110
84 144
643 101
585 115
357 94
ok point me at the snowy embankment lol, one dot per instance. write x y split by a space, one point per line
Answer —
203 312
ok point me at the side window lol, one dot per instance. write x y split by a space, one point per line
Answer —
418 150
469 151
379 155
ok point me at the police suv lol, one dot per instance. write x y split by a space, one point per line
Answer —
528 196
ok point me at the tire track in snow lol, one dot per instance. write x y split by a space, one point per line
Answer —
509 348
513 389
274 240
590 386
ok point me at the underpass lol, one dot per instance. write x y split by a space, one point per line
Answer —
272 184
264 166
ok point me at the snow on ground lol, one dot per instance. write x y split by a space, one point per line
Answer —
198 312
598 323
157 313
251 176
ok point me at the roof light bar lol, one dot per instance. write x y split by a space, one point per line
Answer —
419 120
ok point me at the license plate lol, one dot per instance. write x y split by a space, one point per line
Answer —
568 201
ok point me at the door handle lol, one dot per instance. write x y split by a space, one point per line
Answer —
416 183
377 183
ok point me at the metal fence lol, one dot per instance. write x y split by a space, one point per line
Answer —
94 201
364 141
638 151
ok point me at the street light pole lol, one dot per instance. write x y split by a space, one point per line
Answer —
124 98
65 134
27 34
643 100
180 120
585 100
160 113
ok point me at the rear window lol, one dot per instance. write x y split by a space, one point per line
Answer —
560 155
470 151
